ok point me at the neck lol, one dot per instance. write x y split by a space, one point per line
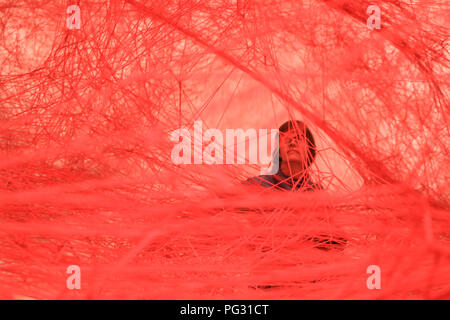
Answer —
292 169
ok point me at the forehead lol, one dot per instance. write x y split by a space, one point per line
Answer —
293 132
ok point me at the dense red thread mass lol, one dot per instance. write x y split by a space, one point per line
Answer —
86 176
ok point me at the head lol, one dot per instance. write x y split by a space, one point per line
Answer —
296 144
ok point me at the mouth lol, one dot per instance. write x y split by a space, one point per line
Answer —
292 151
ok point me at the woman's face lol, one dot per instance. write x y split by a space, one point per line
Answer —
293 146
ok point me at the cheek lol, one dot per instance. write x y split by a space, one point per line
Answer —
304 150
282 148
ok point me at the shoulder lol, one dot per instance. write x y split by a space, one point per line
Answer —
312 186
263 180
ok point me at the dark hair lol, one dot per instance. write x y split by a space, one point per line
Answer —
298 125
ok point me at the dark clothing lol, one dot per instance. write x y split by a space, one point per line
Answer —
280 181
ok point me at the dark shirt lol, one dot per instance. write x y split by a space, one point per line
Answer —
280 181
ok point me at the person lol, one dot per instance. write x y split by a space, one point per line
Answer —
297 151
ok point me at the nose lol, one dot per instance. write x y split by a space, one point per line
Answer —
292 142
